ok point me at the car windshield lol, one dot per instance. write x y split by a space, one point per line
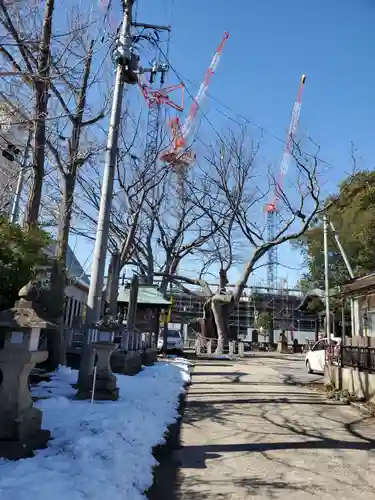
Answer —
174 334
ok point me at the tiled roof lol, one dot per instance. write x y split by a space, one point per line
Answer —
147 294
74 268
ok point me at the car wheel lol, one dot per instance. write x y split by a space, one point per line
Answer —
308 366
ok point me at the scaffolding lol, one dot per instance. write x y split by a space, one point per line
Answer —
282 306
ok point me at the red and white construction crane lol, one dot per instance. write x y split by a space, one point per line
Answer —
271 208
178 156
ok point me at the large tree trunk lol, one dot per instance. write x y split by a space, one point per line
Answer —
41 111
221 313
69 184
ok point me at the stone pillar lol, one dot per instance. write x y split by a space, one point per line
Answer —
241 349
105 386
20 422
231 348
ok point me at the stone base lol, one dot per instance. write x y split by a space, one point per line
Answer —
19 427
100 395
149 357
126 363
107 395
105 389
15 450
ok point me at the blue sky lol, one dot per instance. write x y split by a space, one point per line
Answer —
272 43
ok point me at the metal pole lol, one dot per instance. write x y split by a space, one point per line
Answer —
350 271
21 177
342 251
101 242
326 278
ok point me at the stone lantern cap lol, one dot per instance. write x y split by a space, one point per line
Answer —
27 312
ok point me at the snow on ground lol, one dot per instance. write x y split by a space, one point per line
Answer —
100 450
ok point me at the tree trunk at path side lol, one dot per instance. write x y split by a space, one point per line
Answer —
41 110
218 308
69 177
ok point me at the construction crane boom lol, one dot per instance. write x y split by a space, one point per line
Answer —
202 91
177 156
271 207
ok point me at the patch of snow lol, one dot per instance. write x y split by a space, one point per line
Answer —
100 450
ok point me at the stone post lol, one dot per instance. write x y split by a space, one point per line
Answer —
231 348
198 348
241 349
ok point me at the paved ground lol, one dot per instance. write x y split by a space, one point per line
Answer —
249 432
292 369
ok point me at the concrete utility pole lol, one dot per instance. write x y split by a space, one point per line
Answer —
127 63
21 177
326 278
126 74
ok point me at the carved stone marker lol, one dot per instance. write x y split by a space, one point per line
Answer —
20 422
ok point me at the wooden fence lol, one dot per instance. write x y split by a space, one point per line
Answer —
126 340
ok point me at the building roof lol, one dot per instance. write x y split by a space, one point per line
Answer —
147 295
356 284
74 269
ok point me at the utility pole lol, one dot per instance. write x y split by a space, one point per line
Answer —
20 180
326 279
127 73
127 64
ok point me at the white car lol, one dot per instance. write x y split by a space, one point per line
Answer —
315 358
174 341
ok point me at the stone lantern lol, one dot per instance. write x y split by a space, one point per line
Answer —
105 381
20 421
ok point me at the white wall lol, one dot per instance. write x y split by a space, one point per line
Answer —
76 299
77 293
300 335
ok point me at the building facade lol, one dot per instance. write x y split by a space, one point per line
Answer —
13 139
76 292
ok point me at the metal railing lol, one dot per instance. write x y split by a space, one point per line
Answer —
359 357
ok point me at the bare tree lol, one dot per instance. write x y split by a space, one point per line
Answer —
135 182
34 69
240 190
46 62
58 75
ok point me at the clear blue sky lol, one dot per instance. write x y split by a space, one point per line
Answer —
272 43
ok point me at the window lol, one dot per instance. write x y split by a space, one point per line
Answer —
174 334
319 346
